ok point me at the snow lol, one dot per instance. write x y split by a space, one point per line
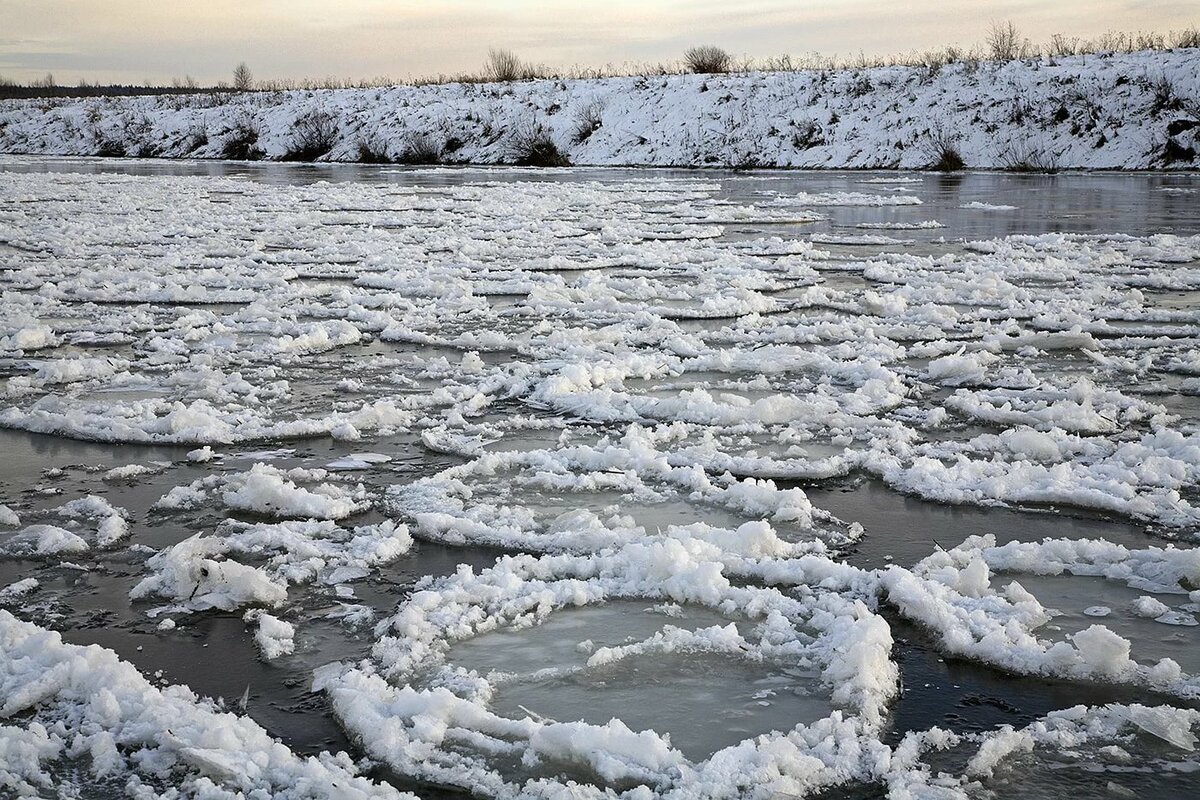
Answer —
1060 111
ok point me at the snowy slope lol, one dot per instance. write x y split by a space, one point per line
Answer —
1107 111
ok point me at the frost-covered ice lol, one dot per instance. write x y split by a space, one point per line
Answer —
70 536
415 709
275 637
996 604
84 705
1104 752
638 390
204 572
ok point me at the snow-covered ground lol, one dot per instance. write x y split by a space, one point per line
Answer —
263 398
1102 111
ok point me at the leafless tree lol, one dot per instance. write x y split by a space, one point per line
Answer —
243 79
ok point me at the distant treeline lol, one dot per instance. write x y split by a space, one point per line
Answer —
14 91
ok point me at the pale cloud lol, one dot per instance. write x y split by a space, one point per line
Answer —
136 40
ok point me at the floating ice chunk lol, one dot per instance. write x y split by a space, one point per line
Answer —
295 552
45 540
851 199
1167 724
271 491
15 591
354 615
111 525
358 461
979 206
35 337
72 370
8 517
413 727
1078 747
183 497
102 706
1104 653
949 592
903 226
274 636
1146 606
201 455
443 440
187 572
863 239
128 472
194 422
1031 444
315 337
961 368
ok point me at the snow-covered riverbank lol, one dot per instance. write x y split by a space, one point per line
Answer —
1107 111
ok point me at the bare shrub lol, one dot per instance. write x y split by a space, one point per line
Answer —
421 148
1005 43
942 147
1149 41
373 151
1025 157
197 137
860 86
504 66
1061 45
588 120
808 134
241 143
533 146
707 59
1188 37
783 63
1165 96
313 135
108 147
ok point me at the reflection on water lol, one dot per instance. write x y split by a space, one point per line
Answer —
1131 203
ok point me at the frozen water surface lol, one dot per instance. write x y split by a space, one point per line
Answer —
1166 628
679 484
703 702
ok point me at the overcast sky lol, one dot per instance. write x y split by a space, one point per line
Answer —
156 40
